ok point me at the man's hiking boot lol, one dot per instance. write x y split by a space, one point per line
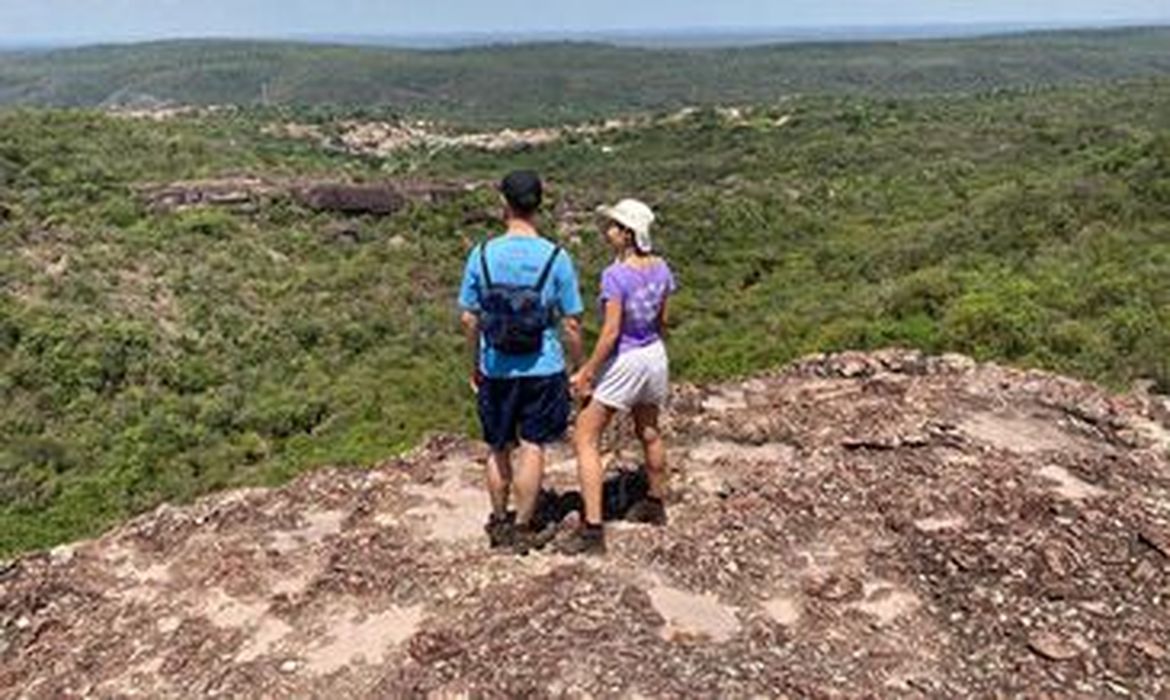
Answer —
587 539
534 535
501 530
649 510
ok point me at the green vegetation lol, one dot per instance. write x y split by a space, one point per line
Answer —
540 83
150 355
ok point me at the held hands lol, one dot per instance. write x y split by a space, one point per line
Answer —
581 383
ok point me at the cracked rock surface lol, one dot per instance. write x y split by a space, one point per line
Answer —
885 524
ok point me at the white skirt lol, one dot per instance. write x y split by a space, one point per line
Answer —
636 377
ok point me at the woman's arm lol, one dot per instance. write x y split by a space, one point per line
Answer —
611 329
663 318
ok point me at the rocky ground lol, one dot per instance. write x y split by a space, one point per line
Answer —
855 525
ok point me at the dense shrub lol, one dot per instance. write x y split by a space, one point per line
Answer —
150 355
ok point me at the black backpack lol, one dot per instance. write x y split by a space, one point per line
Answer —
514 317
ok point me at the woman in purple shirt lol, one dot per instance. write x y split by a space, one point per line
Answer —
628 370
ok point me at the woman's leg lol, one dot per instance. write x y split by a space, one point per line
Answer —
646 426
591 423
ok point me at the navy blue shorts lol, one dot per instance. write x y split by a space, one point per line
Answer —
532 409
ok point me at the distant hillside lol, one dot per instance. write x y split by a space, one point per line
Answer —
173 321
560 81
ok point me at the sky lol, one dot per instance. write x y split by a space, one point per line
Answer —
36 20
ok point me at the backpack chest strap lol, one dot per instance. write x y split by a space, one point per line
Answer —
540 282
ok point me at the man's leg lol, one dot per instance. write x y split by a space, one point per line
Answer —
526 483
499 480
544 419
496 404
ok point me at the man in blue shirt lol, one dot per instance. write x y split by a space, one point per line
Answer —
522 395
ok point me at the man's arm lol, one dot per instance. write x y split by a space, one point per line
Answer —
569 298
571 329
470 323
469 301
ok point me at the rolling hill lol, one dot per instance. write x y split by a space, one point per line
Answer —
175 318
542 83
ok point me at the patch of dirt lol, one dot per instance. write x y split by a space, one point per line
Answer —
353 638
450 511
145 294
886 602
939 524
1069 486
165 112
1017 433
692 615
784 610
883 524
317 525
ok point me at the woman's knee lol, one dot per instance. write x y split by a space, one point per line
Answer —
588 428
648 433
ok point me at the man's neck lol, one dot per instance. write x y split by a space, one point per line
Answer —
520 227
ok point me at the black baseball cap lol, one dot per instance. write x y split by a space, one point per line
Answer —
522 190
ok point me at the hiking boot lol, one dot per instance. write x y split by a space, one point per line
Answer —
532 536
649 510
587 539
501 530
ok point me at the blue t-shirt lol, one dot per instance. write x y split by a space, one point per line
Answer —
516 259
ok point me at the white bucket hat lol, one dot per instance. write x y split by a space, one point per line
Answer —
635 216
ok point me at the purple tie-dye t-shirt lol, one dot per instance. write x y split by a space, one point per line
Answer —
642 292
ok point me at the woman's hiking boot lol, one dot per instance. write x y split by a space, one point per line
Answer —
649 510
587 539
533 535
501 529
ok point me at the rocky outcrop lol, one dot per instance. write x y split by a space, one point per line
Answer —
385 138
235 192
883 524
247 193
351 199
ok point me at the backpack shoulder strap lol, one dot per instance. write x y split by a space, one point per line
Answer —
547 269
483 266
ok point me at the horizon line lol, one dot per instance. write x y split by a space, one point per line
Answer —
468 38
